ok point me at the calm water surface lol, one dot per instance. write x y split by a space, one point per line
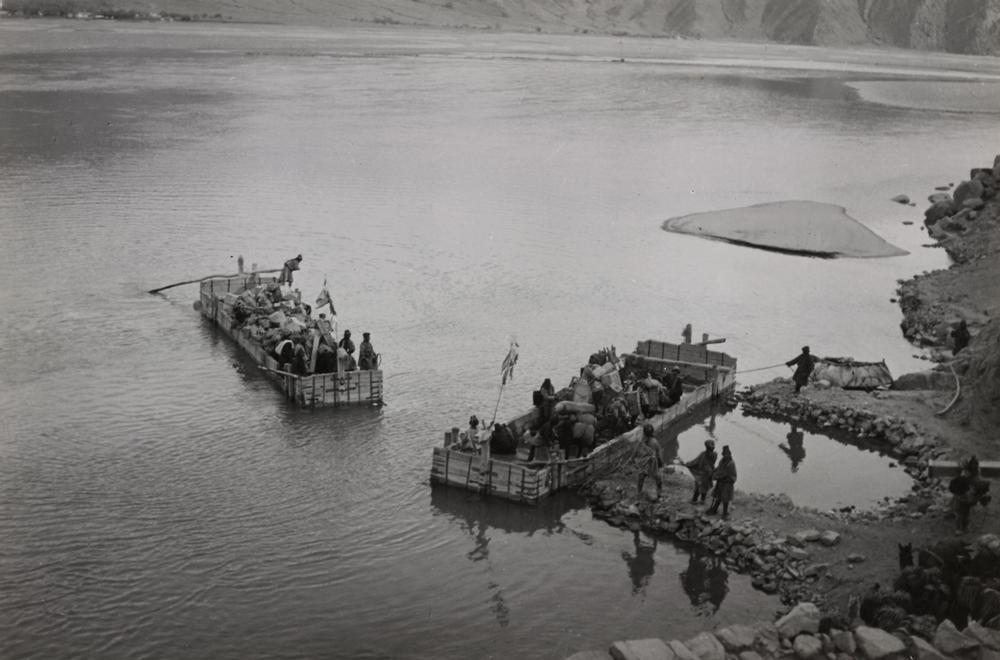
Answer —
158 499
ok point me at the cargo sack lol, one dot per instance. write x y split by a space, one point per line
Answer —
581 391
277 319
565 407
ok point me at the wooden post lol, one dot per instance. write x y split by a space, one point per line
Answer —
315 353
715 382
239 264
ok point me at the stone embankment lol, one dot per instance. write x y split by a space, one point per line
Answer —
804 634
963 223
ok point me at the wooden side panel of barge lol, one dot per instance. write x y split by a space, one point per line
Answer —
523 483
506 479
322 390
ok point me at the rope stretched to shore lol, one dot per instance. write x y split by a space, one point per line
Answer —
958 391
746 371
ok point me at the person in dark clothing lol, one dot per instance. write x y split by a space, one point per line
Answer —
963 499
284 351
725 478
367 358
346 343
300 364
286 270
804 364
961 337
701 469
548 394
676 387
651 459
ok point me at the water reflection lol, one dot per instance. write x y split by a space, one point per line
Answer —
478 516
705 581
640 562
795 449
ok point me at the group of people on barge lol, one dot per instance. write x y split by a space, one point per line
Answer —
275 316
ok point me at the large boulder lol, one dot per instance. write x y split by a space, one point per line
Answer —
876 643
706 646
986 636
736 638
925 650
807 647
950 641
804 617
967 190
641 649
939 210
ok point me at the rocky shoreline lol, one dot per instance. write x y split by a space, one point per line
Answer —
803 633
827 558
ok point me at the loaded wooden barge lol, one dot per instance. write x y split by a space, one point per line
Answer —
335 389
707 375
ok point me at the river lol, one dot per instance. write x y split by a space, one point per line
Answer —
455 190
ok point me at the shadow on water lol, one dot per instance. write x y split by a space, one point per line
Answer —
478 516
705 581
476 513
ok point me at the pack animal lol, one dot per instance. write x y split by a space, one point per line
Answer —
502 440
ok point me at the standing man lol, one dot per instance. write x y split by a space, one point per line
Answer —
286 270
367 358
961 337
804 364
650 459
701 469
676 387
725 478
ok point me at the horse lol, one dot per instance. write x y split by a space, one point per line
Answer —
502 440
572 433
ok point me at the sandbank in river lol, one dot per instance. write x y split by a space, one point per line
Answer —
795 227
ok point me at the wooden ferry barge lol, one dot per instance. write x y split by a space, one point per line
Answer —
711 373
340 388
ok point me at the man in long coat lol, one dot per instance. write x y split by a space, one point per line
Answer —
701 469
804 364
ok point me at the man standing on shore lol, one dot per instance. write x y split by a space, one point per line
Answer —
701 469
650 459
804 364
725 480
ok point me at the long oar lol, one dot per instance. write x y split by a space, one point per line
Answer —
210 277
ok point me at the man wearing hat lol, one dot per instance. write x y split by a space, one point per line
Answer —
286 270
725 478
804 364
367 358
701 469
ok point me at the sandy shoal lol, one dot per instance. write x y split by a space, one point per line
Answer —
800 227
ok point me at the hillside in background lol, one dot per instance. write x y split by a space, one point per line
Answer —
958 26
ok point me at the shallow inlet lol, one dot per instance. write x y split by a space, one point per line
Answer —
817 470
